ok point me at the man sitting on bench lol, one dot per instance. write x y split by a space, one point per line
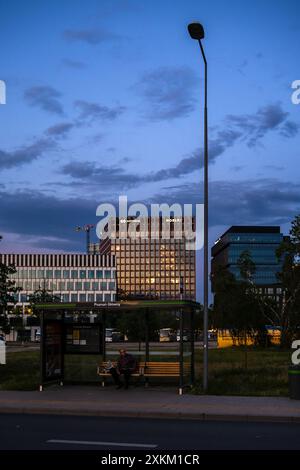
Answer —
126 366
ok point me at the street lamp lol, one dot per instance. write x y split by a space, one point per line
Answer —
197 32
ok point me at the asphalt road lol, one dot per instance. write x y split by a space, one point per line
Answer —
40 432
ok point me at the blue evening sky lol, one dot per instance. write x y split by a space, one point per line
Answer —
105 98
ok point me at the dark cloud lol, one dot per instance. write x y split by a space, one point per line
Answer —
106 177
290 129
44 97
46 216
253 202
52 220
168 92
248 128
92 111
60 129
90 36
117 177
255 126
74 64
223 140
25 154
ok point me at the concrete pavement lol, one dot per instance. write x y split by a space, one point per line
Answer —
152 402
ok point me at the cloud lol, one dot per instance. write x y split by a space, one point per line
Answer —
25 154
116 177
46 216
74 64
252 202
245 128
52 220
60 129
290 129
217 146
254 127
92 111
108 177
90 36
44 97
168 92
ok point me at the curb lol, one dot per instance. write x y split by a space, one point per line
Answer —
151 415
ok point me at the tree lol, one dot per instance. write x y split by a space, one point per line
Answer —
42 296
286 313
8 290
236 302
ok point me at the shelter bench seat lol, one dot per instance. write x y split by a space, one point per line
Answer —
161 369
102 372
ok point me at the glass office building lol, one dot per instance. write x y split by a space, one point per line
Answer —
71 277
261 242
151 265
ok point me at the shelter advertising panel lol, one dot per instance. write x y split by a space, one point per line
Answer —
53 350
83 339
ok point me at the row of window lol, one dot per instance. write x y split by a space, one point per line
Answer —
163 277
158 261
148 242
62 285
65 274
75 297
162 280
152 248
255 238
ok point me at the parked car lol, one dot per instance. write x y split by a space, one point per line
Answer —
109 335
167 334
186 336
37 336
113 336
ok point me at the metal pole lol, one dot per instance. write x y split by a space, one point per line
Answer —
87 240
192 345
205 264
42 349
181 354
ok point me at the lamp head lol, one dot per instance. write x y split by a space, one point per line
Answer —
196 31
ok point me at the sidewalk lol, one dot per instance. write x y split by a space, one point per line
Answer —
148 403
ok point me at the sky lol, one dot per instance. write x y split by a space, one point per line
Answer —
105 98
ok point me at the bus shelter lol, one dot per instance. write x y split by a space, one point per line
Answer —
80 329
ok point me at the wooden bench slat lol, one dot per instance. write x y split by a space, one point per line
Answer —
150 369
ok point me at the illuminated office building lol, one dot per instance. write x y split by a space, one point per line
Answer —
152 265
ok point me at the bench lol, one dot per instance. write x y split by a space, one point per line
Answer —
160 369
149 369
105 373
163 369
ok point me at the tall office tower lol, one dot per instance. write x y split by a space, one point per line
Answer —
261 242
155 257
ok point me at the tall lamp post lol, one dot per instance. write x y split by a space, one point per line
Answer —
197 32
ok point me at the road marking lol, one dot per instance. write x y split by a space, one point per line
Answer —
100 443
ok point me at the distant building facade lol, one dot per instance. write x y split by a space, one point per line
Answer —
151 266
261 242
71 277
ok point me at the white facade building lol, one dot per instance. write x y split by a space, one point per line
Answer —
72 277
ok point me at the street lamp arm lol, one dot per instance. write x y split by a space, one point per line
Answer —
202 52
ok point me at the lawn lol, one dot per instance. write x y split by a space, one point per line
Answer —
266 373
